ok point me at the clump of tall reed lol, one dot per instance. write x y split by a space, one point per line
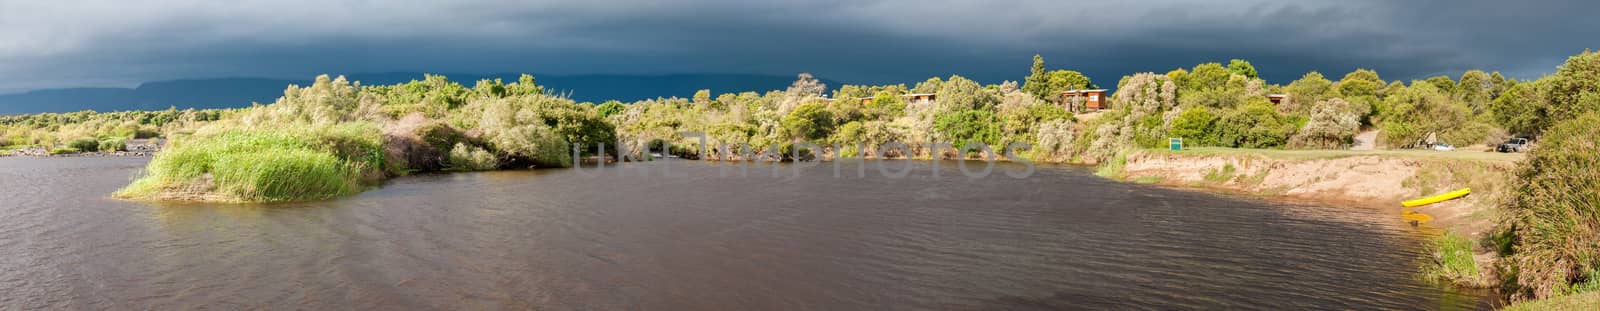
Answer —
1452 262
259 165
1550 228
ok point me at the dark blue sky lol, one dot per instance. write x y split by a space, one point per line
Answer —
45 44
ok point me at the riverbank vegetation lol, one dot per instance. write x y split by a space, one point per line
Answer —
89 131
1550 232
1453 262
335 137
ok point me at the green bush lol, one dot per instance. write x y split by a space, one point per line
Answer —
114 144
63 151
1552 217
1194 126
472 158
969 126
810 121
534 144
84 145
1331 126
1254 125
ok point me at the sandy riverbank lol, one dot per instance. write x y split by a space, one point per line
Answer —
1375 179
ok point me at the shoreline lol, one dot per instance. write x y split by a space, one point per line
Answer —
1379 180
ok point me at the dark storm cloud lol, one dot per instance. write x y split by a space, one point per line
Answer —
93 43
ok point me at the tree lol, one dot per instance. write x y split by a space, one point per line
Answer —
969 126
1521 109
1309 89
962 94
806 86
609 108
702 97
1443 83
1501 84
1331 126
1194 126
886 105
1207 76
809 121
1254 125
1531 107
1575 88
1037 82
1180 75
1242 67
1475 90
1361 82
1048 85
932 85
1424 109
1064 80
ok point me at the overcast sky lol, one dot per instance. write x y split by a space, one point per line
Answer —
52 44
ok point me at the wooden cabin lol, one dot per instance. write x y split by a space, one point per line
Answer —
918 99
1092 99
1276 98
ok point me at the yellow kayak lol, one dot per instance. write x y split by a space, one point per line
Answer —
1437 198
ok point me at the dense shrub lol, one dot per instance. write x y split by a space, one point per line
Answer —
1575 88
1255 125
472 158
1195 127
418 143
1552 218
1145 105
1054 142
809 121
1331 126
84 145
1412 114
113 144
967 127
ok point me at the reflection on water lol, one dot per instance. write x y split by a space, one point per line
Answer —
559 239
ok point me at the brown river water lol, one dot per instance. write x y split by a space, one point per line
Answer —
564 239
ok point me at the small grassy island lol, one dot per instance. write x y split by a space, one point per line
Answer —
336 138
1531 227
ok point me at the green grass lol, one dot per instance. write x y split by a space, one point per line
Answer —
1335 154
1113 167
1221 176
1452 262
1576 302
265 165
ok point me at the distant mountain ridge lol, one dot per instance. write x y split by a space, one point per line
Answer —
241 92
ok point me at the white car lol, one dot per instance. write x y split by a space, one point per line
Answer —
1444 147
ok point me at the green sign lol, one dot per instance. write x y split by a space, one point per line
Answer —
1177 144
